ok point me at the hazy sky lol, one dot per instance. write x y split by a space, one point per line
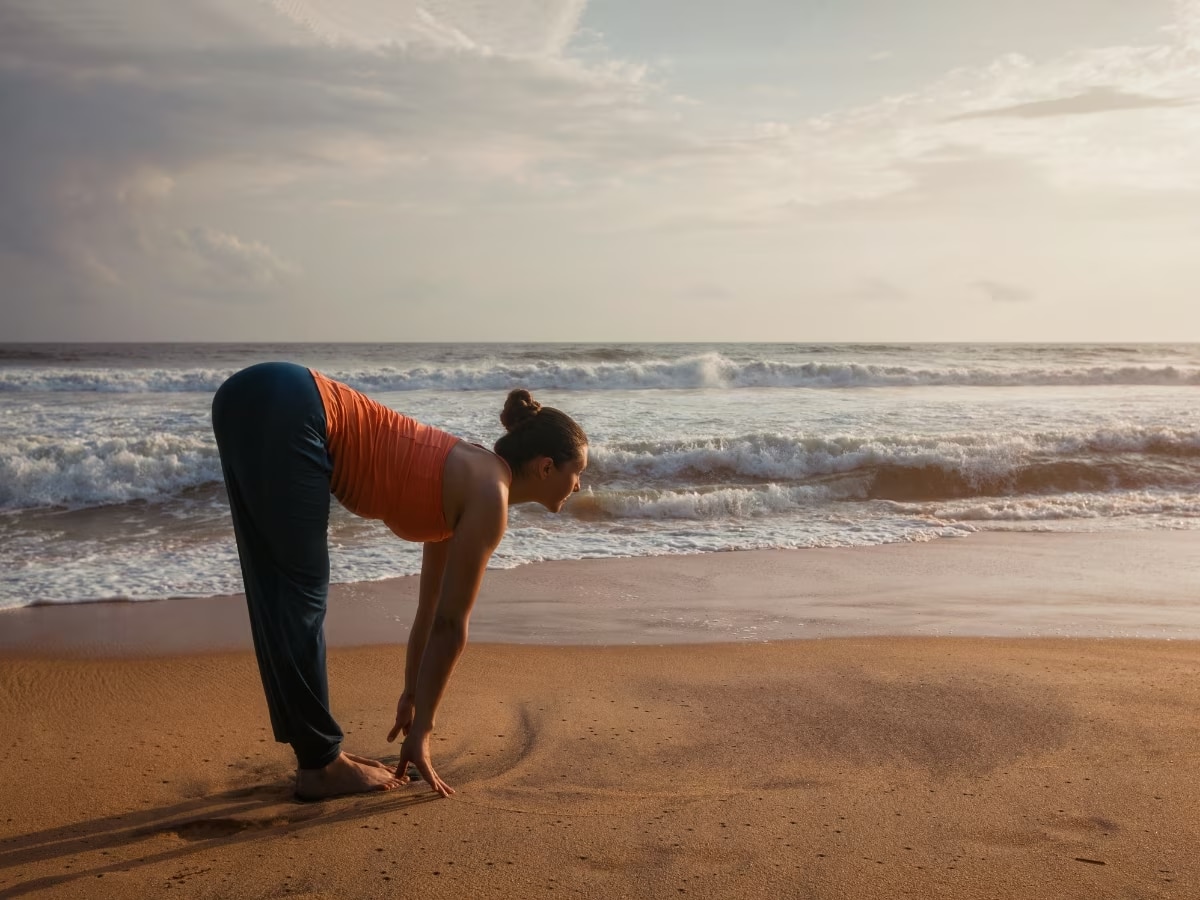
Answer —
797 170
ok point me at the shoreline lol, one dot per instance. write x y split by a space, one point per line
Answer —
991 584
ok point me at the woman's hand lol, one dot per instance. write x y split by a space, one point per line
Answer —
416 751
406 708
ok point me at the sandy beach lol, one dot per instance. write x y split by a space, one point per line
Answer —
792 409
868 765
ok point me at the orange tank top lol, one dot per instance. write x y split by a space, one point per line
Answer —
385 465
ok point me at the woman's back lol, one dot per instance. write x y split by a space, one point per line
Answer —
385 465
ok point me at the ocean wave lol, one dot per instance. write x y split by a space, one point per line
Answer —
903 467
798 457
1063 507
70 472
627 372
1034 477
714 504
112 381
54 472
722 505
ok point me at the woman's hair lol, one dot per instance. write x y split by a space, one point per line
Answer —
535 430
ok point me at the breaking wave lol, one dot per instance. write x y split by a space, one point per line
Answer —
622 370
37 471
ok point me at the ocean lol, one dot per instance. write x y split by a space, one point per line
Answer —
110 484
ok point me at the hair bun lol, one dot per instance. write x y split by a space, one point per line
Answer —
519 408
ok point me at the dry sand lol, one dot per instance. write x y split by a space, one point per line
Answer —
838 768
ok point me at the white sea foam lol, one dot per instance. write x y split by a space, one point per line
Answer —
707 370
725 505
40 471
1161 505
117 381
977 457
1091 438
48 570
717 505
69 471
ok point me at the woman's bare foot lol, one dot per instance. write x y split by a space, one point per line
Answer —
367 761
345 775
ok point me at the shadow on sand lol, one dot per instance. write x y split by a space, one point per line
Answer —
259 812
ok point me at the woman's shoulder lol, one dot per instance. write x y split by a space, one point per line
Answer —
476 485
477 474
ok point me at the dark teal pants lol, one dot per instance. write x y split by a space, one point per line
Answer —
270 427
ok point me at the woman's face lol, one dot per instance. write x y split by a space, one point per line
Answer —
560 482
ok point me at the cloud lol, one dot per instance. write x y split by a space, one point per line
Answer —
1000 292
1022 119
516 28
228 262
112 117
131 129
1095 100
898 146
1186 26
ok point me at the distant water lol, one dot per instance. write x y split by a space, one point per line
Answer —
110 483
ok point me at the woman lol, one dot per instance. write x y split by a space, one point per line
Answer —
288 437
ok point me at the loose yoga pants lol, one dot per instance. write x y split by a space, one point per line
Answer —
270 427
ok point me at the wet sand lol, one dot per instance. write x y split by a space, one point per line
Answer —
1140 584
850 767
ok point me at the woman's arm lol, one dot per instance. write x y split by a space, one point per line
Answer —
475 537
433 565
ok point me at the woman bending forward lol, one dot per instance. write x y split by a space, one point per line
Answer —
288 437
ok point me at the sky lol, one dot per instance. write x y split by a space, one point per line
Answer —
613 170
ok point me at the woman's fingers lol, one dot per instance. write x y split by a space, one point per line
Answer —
422 764
441 788
415 751
405 709
402 766
432 778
